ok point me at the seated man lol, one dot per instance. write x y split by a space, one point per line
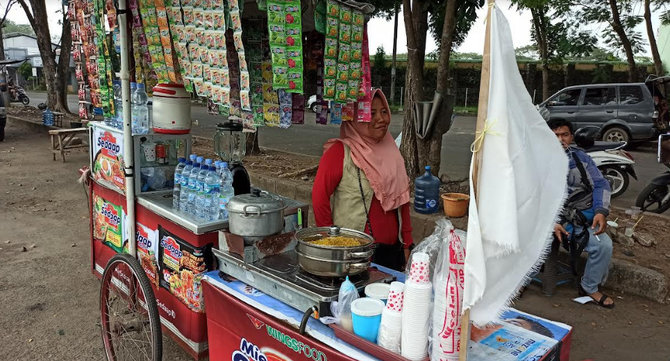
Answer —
583 220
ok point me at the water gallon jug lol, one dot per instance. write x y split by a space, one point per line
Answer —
426 193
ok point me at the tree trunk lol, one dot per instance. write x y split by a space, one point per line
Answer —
38 20
621 32
416 26
252 146
434 140
658 64
2 43
63 74
540 27
395 50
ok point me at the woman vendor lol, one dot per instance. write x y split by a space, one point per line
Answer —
362 184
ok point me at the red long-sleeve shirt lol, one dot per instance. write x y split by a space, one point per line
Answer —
384 224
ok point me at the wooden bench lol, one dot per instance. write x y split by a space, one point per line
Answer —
63 140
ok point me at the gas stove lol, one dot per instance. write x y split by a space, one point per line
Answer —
281 277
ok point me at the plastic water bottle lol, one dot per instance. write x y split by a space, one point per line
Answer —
140 121
183 179
212 189
227 191
193 185
176 189
426 193
118 106
48 117
201 211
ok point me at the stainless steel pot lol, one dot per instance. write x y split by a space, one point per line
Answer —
331 261
255 215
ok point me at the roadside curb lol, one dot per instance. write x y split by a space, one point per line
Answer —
34 125
623 275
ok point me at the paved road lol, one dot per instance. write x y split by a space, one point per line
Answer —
309 138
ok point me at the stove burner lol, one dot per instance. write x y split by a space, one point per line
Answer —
329 283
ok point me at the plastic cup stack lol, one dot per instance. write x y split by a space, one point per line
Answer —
417 306
391 324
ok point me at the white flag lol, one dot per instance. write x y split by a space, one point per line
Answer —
521 187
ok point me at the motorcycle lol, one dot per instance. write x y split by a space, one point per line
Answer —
655 197
17 94
614 163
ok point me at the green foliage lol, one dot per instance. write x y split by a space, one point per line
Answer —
379 59
9 26
599 11
598 54
26 70
556 21
466 14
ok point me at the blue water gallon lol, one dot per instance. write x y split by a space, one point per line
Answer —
426 193
48 117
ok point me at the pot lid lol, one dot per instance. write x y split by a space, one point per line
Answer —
320 232
230 126
255 202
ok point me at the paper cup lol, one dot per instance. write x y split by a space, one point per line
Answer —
366 314
419 269
378 291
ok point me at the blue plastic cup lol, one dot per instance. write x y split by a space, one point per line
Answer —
366 314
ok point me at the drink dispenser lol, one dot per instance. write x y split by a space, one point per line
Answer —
230 145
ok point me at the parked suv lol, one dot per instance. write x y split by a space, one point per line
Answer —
622 112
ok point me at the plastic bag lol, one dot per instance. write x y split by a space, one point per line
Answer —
448 283
341 309
432 244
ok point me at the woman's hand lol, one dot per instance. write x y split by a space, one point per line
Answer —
406 251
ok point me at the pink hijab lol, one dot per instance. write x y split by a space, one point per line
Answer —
381 162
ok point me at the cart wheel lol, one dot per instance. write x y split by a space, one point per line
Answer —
130 325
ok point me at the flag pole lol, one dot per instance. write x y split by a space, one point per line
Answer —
482 110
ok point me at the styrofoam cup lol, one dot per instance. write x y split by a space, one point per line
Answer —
379 291
366 314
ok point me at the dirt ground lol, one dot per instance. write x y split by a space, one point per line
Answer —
50 296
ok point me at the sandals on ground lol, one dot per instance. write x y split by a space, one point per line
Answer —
601 301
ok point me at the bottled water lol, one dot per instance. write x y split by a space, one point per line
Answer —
226 191
184 180
140 118
193 185
212 188
117 121
176 189
201 211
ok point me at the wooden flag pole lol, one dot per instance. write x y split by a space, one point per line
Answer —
482 111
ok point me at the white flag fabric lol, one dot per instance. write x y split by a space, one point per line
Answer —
521 188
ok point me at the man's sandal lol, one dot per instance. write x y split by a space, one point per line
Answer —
601 301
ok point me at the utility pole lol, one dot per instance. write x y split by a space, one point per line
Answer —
395 48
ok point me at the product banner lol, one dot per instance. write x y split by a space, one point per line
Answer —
108 223
182 266
147 251
239 332
107 158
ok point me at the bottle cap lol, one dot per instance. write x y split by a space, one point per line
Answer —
427 167
208 161
181 160
140 86
199 159
192 157
224 164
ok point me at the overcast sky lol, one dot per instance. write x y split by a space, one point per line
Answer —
381 31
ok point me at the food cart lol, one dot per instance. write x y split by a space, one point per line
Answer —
218 292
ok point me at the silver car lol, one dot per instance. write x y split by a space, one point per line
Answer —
623 112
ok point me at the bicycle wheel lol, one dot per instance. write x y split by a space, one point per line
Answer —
131 327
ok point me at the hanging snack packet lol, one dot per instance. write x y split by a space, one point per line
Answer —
294 56
344 55
237 39
352 90
342 72
295 83
355 71
330 68
357 18
208 20
234 4
293 35
348 112
329 89
277 34
189 16
276 13
278 54
245 100
280 77
199 18
244 80
332 27
243 61
356 33
285 108
293 13
335 113
331 49
298 109
219 20
341 88
236 19
356 52
333 9
344 34
345 15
